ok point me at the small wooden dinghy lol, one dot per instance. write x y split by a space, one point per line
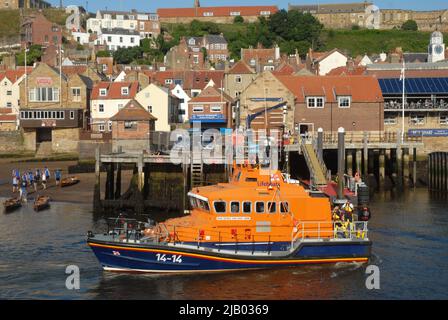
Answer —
12 204
67 182
41 203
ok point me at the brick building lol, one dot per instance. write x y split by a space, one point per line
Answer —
26 4
54 108
212 108
36 29
185 56
353 102
131 128
261 59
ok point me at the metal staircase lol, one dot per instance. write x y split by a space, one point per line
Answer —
318 170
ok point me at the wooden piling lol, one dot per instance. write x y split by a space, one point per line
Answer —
97 208
406 166
366 156
414 168
382 168
359 161
350 163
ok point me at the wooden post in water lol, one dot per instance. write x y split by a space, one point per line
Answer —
110 181
430 173
366 157
97 190
382 168
359 161
341 162
414 167
350 163
406 166
185 165
399 160
117 193
140 205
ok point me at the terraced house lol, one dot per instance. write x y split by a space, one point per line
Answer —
54 108
107 99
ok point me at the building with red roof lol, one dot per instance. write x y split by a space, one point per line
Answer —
132 127
224 14
107 99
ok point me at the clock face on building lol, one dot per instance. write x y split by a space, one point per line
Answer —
438 49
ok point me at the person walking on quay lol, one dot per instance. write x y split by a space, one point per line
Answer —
44 181
47 174
23 186
31 179
15 184
57 176
37 177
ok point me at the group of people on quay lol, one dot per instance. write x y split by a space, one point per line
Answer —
33 179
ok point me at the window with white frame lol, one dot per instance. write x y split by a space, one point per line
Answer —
416 120
444 120
124 91
195 59
101 108
238 79
390 120
235 13
44 95
9 104
142 26
265 13
109 123
315 102
130 125
198 109
208 14
103 92
269 68
168 81
344 101
215 108
76 94
132 40
101 127
72 115
9 93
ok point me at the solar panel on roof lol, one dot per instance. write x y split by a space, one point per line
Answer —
415 86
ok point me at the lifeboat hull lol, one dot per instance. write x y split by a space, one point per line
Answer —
129 257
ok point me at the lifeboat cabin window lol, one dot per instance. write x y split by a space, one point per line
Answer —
199 204
234 207
259 207
220 206
251 180
284 207
247 207
272 207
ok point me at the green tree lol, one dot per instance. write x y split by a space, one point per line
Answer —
103 54
238 19
410 25
128 55
34 54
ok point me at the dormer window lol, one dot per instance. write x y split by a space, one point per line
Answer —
168 81
124 91
252 62
103 92
315 102
344 101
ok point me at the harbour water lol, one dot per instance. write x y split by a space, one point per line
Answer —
410 240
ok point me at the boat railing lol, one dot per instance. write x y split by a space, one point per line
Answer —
319 230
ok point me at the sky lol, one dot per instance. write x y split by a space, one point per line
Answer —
152 5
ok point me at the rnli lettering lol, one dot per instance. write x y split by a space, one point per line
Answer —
233 218
191 310
268 184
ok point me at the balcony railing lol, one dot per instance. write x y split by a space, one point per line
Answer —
417 106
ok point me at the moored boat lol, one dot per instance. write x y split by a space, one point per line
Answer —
67 182
41 203
255 221
12 204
